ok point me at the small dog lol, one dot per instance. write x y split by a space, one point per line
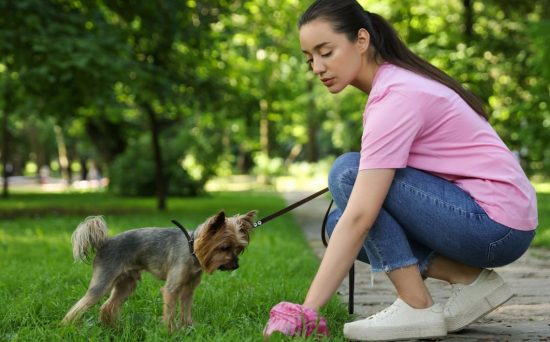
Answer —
164 252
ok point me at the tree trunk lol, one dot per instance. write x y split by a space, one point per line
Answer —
244 161
468 19
160 183
293 154
62 151
264 127
5 140
83 168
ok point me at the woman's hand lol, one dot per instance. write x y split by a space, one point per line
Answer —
295 320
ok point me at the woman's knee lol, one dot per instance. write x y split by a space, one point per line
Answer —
344 162
343 172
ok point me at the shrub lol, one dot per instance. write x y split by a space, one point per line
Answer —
133 172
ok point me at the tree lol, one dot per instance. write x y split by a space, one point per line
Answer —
168 50
64 55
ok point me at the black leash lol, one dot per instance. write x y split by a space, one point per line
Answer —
351 277
190 238
289 208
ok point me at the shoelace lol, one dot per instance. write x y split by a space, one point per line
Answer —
390 310
455 291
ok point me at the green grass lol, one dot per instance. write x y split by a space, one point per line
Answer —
542 238
39 281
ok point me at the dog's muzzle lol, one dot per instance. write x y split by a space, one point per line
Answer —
233 265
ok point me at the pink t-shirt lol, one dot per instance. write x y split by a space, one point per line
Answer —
410 120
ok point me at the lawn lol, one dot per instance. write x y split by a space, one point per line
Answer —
39 281
542 238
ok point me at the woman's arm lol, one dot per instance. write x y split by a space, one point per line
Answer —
367 196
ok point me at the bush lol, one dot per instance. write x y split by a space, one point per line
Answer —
133 172
269 167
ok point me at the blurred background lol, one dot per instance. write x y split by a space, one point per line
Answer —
173 98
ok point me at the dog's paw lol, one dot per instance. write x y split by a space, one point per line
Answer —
186 322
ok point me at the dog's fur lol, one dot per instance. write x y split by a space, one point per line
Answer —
162 251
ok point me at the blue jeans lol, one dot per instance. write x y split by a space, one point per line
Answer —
424 216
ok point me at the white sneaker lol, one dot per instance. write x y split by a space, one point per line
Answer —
469 303
398 321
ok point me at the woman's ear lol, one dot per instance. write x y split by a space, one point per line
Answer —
363 40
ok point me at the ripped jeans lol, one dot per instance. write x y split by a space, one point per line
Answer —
424 216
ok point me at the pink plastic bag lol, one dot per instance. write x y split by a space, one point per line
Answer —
295 320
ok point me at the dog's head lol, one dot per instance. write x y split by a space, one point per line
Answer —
220 240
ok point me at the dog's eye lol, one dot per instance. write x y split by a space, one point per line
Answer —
225 248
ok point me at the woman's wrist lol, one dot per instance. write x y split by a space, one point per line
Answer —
309 305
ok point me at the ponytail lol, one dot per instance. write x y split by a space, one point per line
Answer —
348 17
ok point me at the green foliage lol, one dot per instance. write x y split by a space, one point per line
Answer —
230 77
500 62
39 281
133 172
64 53
266 166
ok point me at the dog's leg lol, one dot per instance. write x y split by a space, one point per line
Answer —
171 293
170 297
92 296
186 300
123 288
101 283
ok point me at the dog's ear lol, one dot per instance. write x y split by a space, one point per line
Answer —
217 221
249 217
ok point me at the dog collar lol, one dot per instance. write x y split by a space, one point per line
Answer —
190 238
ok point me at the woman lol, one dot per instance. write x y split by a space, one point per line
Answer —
434 192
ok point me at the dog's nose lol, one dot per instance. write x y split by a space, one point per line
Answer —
230 266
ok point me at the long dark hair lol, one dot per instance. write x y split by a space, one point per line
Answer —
347 16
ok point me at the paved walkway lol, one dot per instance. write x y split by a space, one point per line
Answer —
526 317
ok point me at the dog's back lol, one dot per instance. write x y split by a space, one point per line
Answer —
153 249
156 250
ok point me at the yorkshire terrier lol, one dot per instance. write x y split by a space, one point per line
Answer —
169 254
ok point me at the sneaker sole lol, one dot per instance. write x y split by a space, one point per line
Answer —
385 334
498 297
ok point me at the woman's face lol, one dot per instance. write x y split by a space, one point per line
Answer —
331 56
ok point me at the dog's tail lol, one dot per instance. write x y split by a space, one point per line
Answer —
89 236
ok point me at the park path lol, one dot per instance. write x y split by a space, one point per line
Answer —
526 317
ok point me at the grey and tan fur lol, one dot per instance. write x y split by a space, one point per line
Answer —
165 253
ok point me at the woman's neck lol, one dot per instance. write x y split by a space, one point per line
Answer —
365 79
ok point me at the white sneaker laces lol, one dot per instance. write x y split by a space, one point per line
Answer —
384 313
455 292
